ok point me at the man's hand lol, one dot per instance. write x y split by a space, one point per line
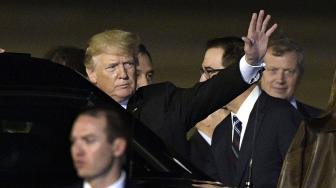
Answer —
257 38
2 50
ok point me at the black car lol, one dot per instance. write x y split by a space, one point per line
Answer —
38 102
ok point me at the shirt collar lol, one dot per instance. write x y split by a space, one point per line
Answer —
124 103
247 106
120 183
206 137
293 102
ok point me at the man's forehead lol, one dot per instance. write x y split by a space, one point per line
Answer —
144 62
213 57
88 124
112 57
288 59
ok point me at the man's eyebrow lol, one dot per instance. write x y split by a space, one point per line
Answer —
82 136
112 64
88 136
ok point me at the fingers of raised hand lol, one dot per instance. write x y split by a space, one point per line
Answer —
260 20
265 23
271 30
252 25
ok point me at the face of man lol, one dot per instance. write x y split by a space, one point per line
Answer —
281 75
92 154
212 63
114 74
144 70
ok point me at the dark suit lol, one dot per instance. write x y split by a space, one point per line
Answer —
199 150
307 111
271 126
170 111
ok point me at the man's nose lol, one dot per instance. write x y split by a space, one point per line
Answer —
77 149
122 72
280 77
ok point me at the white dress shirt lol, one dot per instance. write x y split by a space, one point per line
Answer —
124 103
293 103
250 73
120 183
244 111
205 137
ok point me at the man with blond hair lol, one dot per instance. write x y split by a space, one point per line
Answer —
167 110
283 71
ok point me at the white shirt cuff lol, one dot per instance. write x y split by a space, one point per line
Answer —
250 73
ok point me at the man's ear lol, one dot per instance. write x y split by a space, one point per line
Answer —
91 75
119 147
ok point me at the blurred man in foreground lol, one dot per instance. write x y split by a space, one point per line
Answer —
99 140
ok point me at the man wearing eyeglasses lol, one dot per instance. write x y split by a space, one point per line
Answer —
219 54
283 71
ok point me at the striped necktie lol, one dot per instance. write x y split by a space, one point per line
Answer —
237 127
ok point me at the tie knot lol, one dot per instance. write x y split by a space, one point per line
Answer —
235 120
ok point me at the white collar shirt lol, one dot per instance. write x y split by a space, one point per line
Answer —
124 103
293 103
244 111
120 183
205 137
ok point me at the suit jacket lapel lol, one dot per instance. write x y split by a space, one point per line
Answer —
302 110
223 141
221 148
249 142
135 104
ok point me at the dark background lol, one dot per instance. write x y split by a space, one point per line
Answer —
175 31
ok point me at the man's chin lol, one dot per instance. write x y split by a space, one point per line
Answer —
125 94
83 174
278 95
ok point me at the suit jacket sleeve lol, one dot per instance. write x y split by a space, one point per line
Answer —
206 97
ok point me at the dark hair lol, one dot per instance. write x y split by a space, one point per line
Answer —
117 124
233 48
280 44
69 56
143 50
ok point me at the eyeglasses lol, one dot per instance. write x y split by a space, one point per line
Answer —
209 73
